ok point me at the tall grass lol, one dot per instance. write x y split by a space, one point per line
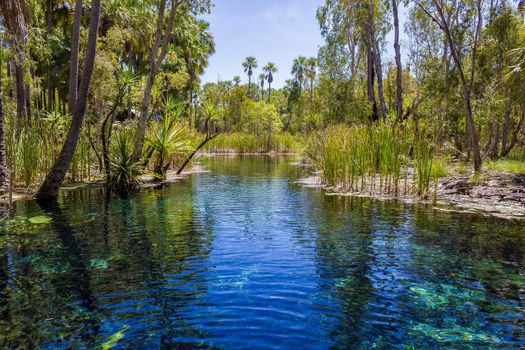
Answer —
251 143
33 149
379 158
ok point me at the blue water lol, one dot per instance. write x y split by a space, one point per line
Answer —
244 258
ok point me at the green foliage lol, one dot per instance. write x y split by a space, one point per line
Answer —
166 139
249 143
372 158
511 166
125 171
40 220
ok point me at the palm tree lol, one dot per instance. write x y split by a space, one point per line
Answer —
270 69
236 80
299 69
262 78
249 65
49 189
311 73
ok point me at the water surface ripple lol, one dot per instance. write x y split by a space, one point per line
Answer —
244 258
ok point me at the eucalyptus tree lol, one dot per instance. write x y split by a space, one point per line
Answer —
469 14
270 69
353 31
399 66
262 79
249 65
55 177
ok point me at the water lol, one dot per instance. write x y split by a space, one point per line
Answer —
243 258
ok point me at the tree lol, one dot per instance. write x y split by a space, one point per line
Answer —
55 177
262 78
399 67
157 54
299 70
249 65
436 11
16 19
236 80
270 69
311 74
3 160
73 61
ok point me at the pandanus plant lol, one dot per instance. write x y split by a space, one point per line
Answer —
166 139
125 171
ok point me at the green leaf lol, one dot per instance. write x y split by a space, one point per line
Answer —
40 220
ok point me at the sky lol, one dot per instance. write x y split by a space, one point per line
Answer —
270 30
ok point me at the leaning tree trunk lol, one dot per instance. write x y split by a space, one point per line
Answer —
16 18
399 67
55 177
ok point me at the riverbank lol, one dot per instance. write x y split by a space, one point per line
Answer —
147 181
494 193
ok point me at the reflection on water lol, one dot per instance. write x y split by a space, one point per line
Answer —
244 258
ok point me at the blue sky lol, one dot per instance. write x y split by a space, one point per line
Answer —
270 30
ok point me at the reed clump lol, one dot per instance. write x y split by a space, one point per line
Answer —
381 158
252 143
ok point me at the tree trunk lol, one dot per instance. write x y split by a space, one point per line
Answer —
269 92
73 62
472 135
161 37
495 142
374 47
505 131
190 157
3 160
16 18
249 83
370 85
49 32
380 89
54 179
399 67
311 98
515 134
